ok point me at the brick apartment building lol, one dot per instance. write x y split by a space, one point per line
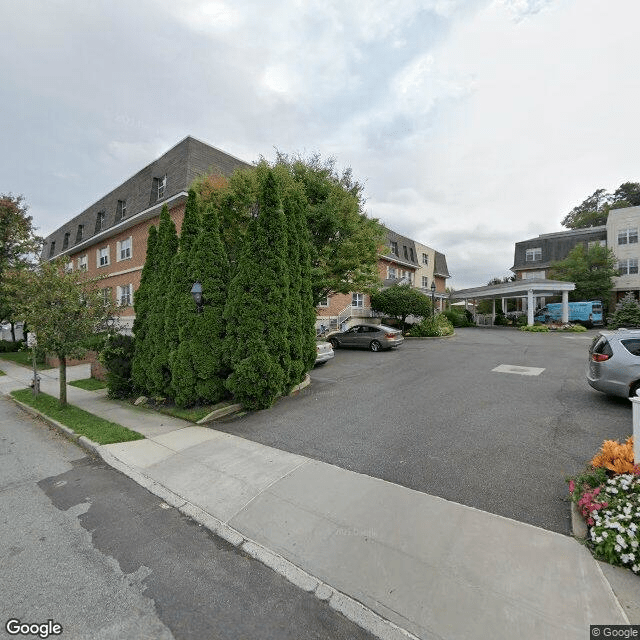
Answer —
109 238
400 260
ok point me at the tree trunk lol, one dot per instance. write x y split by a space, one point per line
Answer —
63 380
13 331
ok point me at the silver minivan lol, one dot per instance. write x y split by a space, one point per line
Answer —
614 362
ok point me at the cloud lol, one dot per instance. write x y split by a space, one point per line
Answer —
472 123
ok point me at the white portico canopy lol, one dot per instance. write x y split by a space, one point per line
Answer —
529 289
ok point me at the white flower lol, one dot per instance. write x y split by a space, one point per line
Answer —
618 548
605 534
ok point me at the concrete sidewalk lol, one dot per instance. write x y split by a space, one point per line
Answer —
399 562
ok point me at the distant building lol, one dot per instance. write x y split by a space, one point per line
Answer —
534 257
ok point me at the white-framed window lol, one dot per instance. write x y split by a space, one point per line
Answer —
124 248
628 266
530 275
425 259
121 210
324 302
393 274
83 263
425 281
357 300
628 236
596 243
533 254
410 277
102 257
106 295
162 185
394 248
124 295
68 268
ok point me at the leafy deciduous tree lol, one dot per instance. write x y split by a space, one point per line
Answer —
19 246
64 309
400 301
592 271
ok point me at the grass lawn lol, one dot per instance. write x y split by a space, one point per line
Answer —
24 358
192 414
82 422
89 384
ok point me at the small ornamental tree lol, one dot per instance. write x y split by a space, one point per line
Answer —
400 301
257 309
626 314
64 309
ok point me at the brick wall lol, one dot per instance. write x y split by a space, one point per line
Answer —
97 369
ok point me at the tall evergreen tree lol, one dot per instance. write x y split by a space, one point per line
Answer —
198 367
302 311
167 246
257 309
141 364
179 303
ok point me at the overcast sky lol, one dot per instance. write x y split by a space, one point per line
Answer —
472 123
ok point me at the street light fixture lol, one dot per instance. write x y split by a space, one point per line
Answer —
433 295
196 292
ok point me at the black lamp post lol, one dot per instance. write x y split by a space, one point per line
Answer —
196 292
433 295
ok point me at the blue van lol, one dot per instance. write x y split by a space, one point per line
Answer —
587 313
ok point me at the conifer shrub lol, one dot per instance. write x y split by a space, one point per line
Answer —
257 380
626 314
117 357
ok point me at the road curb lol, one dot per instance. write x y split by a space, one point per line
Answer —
349 607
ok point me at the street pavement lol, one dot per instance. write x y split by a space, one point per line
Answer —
85 546
399 562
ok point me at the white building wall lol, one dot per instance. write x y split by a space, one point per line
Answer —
621 220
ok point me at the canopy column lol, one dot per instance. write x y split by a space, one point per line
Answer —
565 307
530 307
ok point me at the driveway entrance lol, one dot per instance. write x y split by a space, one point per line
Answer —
492 418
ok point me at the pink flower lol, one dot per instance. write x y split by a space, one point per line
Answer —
572 486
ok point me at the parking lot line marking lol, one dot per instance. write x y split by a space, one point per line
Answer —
518 370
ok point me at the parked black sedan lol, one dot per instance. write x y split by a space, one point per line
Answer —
367 336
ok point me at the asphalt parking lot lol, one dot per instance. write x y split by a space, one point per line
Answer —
433 416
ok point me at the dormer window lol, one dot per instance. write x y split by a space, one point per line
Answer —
65 241
100 221
52 249
394 248
80 233
162 185
121 211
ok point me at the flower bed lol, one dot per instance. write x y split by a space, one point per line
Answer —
607 495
